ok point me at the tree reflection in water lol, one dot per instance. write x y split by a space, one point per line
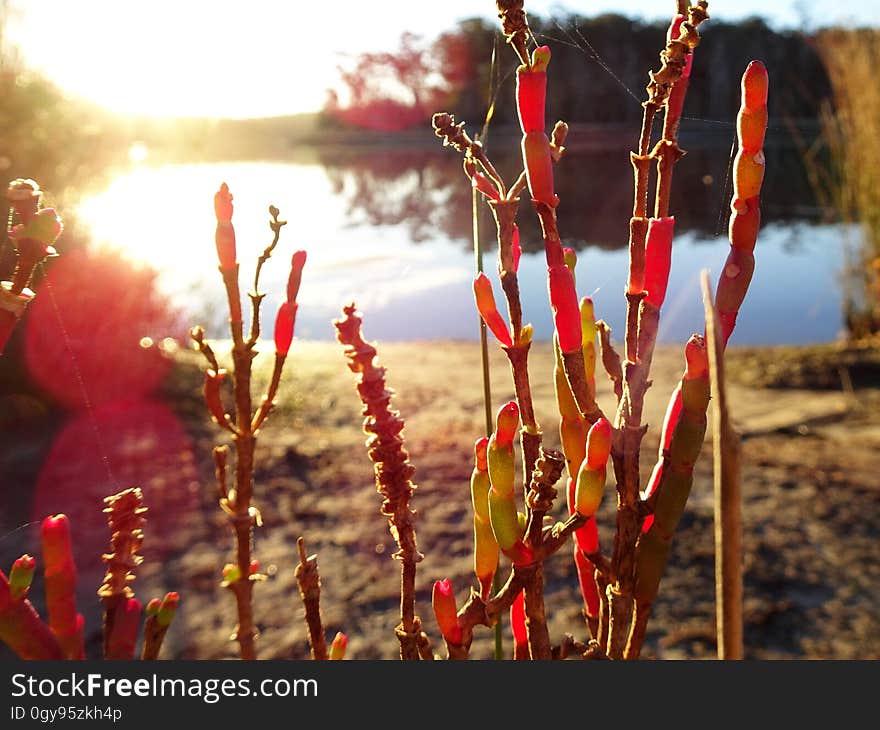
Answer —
424 189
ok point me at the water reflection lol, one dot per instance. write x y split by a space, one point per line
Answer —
426 190
359 212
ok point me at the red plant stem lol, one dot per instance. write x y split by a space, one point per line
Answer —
60 586
573 362
610 358
243 515
536 619
233 297
530 434
667 153
504 212
22 629
154 634
268 401
628 429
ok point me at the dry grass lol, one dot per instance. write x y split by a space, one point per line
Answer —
849 183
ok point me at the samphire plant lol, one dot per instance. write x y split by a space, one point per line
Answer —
512 498
619 585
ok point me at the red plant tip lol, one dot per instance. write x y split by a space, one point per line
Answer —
445 611
531 92
506 423
755 86
484 185
223 204
297 263
338 646
658 259
168 609
566 311
443 587
599 444
480 448
25 562
697 356
153 607
518 619
540 59
55 533
21 576
488 310
284 326
254 567
517 248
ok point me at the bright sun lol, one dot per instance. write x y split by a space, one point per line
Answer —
224 58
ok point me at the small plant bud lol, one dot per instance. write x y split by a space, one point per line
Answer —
152 608
224 236
506 422
480 453
488 310
445 610
168 609
571 259
540 59
485 186
557 139
57 548
21 576
223 204
697 357
338 646
231 574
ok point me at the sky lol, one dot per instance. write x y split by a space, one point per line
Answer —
227 58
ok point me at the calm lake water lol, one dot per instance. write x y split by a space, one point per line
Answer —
391 231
